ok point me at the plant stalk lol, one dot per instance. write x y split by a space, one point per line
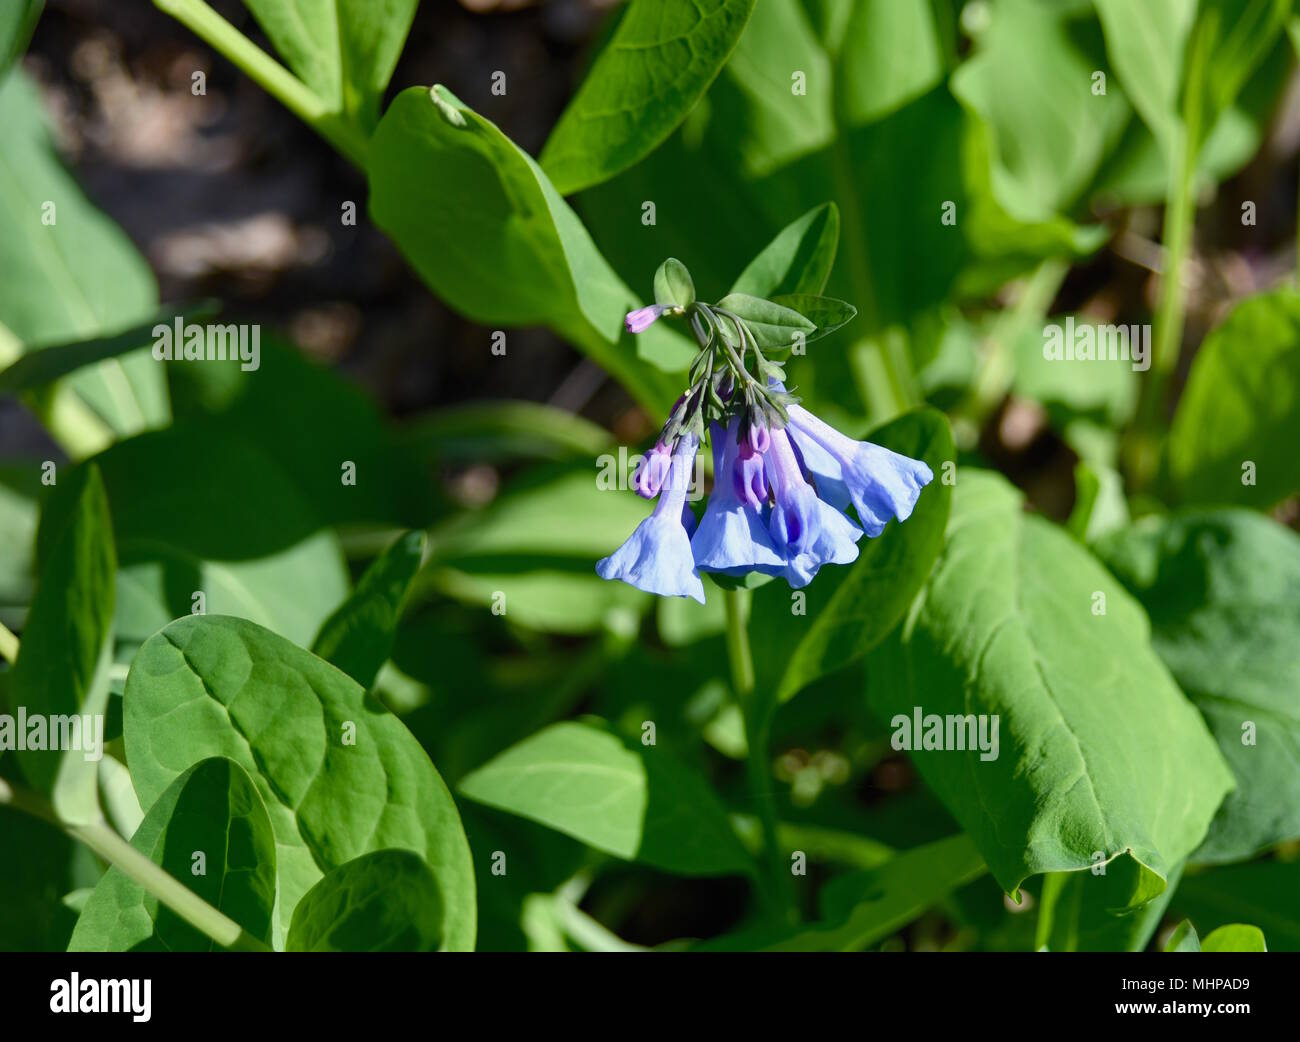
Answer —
101 839
344 135
756 709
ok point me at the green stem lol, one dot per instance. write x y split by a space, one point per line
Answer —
757 710
8 644
1143 449
270 75
135 866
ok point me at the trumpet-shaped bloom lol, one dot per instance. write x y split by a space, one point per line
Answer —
641 319
657 556
732 537
652 471
808 531
881 484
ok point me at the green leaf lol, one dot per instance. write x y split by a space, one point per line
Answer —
1239 417
626 799
39 368
863 908
208 829
71 275
1018 623
798 260
656 66
483 226
484 431
17 21
848 611
344 50
526 554
1146 44
1030 83
386 901
773 326
359 636
1236 937
1222 589
340 775
259 553
279 407
826 313
1183 939
673 285
67 643
1261 892
892 52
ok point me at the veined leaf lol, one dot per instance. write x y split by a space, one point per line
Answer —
340 775
484 227
827 313
657 65
359 636
630 801
773 326
1222 589
385 901
1019 625
798 260
208 829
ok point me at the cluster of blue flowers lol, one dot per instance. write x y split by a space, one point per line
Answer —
784 481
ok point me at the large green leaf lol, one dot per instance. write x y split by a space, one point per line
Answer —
892 52
1019 623
62 668
359 636
1234 433
344 50
1222 589
656 66
848 611
282 406
71 274
485 228
209 829
527 556
259 553
631 801
340 775
385 901
1030 82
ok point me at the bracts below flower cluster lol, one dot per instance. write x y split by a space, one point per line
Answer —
784 480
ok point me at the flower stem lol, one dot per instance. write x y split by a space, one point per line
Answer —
1143 448
8 644
346 137
119 853
757 708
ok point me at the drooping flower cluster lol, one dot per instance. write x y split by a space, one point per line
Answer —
784 480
